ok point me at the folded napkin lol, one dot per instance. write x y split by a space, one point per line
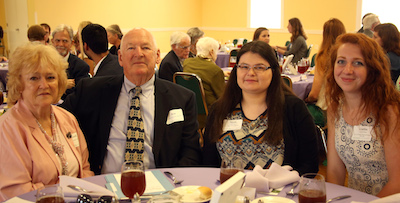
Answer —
389 199
275 177
70 193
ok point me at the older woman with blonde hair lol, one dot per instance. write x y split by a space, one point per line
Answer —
38 141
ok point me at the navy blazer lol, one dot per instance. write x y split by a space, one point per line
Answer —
169 65
77 69
94 102
109 66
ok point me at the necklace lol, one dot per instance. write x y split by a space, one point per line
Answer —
58 148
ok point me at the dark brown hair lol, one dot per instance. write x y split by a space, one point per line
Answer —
297 29
258 32
390 37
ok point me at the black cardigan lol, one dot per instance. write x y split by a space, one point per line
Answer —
299 135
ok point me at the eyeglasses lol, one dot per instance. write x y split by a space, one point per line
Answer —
184 47
259 68
84 198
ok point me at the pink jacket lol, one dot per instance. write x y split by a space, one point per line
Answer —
27 160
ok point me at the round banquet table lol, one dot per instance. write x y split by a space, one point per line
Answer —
222 59
302 88
209 176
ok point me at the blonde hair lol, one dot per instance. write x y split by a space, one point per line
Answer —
29 57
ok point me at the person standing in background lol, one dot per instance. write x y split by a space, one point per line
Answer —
114 35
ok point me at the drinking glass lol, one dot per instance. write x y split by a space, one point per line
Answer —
50 194
312 188
229 168
133 181
302 67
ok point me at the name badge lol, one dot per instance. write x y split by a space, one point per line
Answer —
75 139
231 125
362 133
175 115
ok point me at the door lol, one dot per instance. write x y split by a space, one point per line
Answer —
17 22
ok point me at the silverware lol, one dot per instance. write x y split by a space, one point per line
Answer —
175 181
79 189
338 198
291 192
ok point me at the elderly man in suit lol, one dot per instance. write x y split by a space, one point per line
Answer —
168 111
172 62
77 69
95 46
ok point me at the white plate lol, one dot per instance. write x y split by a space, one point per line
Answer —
190 193
272 199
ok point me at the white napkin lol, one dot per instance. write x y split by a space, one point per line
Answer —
395 198
275 177
69 193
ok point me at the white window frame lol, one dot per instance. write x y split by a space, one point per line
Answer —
269 9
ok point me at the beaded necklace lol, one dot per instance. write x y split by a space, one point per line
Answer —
58 148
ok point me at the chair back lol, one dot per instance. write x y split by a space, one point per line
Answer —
313 60
193 82
287 43
308 51
287 80
244 41
232 57
235 41
323 137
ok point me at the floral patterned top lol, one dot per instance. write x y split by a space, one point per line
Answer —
364 160
246 144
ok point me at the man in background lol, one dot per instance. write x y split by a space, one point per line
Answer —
195 34
95 46
172 62
36 34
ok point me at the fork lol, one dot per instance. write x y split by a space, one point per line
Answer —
291 192
175 181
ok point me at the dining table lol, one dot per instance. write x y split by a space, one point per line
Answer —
207 176
222 59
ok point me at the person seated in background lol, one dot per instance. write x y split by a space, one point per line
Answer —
316 98
82 54
47 29
363 117
168 112
212 76
298 45
257 111
3 58
172 62
95 46
36 34
77 68
369 21
114 36
39 141
388 37
195 34
262 34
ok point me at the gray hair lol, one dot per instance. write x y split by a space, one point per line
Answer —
177 37
63 27
195 33
370 20
205 45
115 30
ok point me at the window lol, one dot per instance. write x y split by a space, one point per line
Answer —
386 10
265 13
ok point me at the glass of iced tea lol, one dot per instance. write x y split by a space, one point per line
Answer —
230 168
312 188
133 181
50 194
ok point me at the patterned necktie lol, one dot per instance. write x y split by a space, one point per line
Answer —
135 134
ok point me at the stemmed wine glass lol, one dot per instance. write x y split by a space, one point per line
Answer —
302 67
133 181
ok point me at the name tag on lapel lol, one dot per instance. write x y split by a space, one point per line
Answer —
74 137
175 115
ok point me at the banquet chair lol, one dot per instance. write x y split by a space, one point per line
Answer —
244 41
287 43
323 137
308 51
193 82
287 80
232 57
235 41
313 60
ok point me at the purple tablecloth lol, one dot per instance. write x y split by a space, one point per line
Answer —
302 88
208 177
222 59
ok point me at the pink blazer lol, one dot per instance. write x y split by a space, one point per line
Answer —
27 160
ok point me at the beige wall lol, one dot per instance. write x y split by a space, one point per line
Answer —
221 19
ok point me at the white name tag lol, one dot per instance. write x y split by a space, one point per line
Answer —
230 125
175 115
362 133
75 139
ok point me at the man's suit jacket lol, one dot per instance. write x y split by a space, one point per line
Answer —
109 66
94 102
77 69
169 65
29 162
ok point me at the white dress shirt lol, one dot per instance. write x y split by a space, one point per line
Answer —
115 154
96 68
